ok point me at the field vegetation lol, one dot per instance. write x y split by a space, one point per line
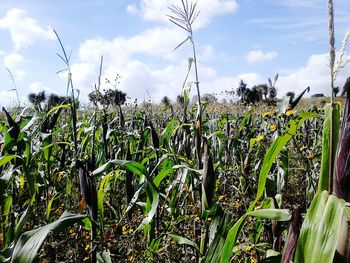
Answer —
258 180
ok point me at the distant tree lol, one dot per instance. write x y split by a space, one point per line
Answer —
117 98
96 97
37 98
241 89
265 90
336 91
261 91
209 98
110 97
180 100
317 95
55 100
167 103
253 95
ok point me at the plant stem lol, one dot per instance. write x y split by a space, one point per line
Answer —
331 65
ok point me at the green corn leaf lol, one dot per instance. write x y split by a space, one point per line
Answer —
104 257
153 206
22 221
214 252
324 179
278 145
320 230
139 169
30 242
105 182
64 106
183 241
7 208
269 159
31 122
162 174
49 207
6 159
168 131
134 167
273 214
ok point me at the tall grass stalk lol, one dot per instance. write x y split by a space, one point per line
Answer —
184 16
331 65
14 86
66 61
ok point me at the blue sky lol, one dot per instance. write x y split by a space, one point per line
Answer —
243 39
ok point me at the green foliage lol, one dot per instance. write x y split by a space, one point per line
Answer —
321 228
30 242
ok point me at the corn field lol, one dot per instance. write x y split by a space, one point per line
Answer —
201 182
132 192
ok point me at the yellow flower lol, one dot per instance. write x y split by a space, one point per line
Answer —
196 218
87 247
237 205
125 230
254 260
259 138
310 156
290 112
302 148
247 248
273 127
209 219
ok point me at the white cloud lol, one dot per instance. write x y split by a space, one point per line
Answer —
24 30
38 86
132 9
121 56
16 64
159 42
8 99
157 10
302 3
251 78
208 54
258 56
315 74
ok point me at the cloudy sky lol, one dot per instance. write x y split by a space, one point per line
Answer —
250 40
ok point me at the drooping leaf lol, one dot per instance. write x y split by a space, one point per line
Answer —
30 242
273 214
183 241
153 206
7 158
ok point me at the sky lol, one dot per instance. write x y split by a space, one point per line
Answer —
249 40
